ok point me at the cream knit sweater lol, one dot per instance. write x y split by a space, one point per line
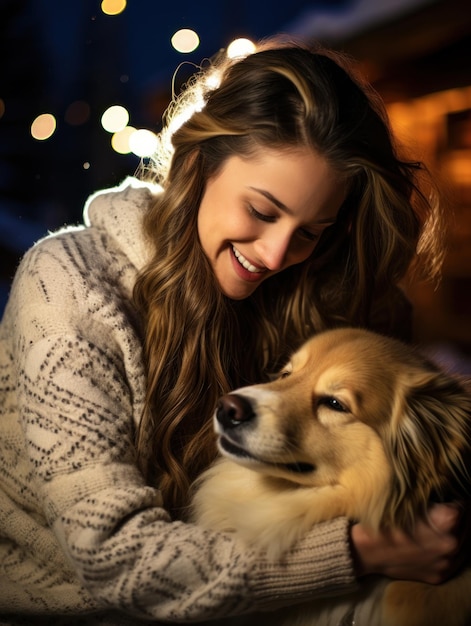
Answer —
81 535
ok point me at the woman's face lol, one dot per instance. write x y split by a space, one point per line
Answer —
261 214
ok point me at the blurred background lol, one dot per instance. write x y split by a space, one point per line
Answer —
84 84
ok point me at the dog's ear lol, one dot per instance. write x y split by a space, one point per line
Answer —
429 444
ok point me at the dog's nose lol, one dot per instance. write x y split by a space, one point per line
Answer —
233 410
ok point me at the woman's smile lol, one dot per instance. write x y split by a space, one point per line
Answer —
244 266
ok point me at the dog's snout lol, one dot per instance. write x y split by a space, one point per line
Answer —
233 410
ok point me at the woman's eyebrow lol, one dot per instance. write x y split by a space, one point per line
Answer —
272 199
285 209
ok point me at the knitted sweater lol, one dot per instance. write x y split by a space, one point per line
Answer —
81 534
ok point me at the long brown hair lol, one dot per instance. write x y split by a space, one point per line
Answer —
198 343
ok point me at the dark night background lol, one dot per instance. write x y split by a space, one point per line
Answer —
54 53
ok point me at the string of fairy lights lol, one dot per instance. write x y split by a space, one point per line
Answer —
115 120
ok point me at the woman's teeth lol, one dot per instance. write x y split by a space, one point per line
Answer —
243 261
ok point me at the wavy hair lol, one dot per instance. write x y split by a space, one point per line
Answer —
198 343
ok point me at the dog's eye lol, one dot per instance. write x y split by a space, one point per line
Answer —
332 403
284 374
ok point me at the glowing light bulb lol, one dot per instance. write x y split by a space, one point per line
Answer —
240 48
185 40
43 126
115 118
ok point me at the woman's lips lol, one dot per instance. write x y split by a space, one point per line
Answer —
245 262
244 268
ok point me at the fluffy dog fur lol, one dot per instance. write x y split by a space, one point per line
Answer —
356 425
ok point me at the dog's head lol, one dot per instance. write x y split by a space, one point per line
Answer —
362 413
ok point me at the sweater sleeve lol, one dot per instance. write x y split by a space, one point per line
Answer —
77 401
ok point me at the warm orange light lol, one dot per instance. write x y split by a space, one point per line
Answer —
43 126
419 121
458 167
113 7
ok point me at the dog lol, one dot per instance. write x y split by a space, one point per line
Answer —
356 425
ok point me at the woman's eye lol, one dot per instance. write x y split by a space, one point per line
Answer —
260 216
307 234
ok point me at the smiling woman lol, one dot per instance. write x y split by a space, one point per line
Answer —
263 214
283 208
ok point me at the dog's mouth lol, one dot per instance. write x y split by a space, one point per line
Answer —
234 450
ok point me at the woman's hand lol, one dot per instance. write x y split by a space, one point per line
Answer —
431 553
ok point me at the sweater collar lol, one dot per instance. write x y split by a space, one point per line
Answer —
120 211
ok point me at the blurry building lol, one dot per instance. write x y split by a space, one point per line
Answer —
421 65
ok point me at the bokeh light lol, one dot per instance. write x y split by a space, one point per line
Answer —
120 140
185 40
77 113
212 81
143 143
2 107
113 7
240 48
115 118
43 126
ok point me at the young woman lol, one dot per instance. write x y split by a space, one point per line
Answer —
284 209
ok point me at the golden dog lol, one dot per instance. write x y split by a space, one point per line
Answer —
356 425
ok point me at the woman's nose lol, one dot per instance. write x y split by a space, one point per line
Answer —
273 249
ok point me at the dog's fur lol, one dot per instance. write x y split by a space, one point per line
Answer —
357 425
